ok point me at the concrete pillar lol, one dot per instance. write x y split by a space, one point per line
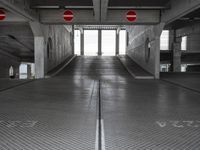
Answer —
82 41
177 55
29 76
172 35
72 39
117 42
99 43
127 38
39 50
39 57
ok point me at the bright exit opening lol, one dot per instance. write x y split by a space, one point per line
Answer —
164 40
108 43
27 70
77 42
90 42
122 42
106 46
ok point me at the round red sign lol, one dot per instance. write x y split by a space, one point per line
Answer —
68 15
131 16
2 15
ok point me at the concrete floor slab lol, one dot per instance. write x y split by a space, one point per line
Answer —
10 83
134 69
187 80
51 114
150 115
61 112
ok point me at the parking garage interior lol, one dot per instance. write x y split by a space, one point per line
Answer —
99 75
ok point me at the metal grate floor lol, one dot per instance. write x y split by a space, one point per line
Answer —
61 113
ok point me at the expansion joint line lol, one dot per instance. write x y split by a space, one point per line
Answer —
100 140
100 117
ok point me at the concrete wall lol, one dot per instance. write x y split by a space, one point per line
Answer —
193 42
13 50
5 62
52 45
61 46
193 36
136 47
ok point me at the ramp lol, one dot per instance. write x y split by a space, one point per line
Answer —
134 69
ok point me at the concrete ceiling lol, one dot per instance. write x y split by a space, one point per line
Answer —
148 4
189 19
16 39
138 2
90 2
61 3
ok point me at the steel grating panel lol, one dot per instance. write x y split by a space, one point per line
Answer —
60 113
48 114
140 117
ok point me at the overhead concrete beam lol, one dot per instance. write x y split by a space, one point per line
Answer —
109 7
97 9
20 8
104 9
179 8
139 7
192 29
27 59
10 17
113 17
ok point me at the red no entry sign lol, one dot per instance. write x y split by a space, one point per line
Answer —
2 15
131 16
68 15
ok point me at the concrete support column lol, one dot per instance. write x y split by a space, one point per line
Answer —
29 71
99 43
72 39
39 57
117 41
82 42
39 50
172 35
177 55
127 39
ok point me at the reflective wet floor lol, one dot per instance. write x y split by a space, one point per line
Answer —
62 113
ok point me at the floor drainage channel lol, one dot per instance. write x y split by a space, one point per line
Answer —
100 138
